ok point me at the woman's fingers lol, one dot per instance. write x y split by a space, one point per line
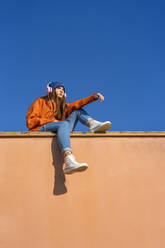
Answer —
101 97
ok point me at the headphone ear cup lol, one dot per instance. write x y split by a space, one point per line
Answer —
65 95
48 88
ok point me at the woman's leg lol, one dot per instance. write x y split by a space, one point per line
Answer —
81 115
62 129
67 126
86 119
63 137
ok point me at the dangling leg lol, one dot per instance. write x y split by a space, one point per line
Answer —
63 129
63 136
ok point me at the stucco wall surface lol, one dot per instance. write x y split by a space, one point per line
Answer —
118 202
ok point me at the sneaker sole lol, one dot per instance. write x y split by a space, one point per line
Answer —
78 169
102 128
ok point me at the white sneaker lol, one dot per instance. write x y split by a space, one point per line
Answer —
97 126
72 166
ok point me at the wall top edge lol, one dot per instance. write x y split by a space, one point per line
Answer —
87 134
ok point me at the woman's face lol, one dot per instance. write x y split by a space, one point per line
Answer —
59 92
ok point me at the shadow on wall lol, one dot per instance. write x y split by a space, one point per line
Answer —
59 177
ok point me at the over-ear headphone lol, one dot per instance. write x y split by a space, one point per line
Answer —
49 89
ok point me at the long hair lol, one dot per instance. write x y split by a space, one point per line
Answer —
61 106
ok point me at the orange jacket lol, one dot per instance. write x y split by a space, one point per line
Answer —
40 112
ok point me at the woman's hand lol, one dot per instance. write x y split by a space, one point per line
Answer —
100 97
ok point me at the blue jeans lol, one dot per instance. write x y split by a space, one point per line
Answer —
63 128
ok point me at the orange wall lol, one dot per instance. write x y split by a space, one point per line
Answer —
118 202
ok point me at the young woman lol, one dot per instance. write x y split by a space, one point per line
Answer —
51 113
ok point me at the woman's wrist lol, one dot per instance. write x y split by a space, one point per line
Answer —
96 96
99 96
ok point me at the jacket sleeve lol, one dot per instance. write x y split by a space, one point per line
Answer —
81 103
33 117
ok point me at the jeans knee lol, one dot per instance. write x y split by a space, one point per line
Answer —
77 111
64 124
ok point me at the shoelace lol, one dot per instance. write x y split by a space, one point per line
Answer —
72 157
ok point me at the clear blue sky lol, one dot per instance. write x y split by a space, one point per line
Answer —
113 47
